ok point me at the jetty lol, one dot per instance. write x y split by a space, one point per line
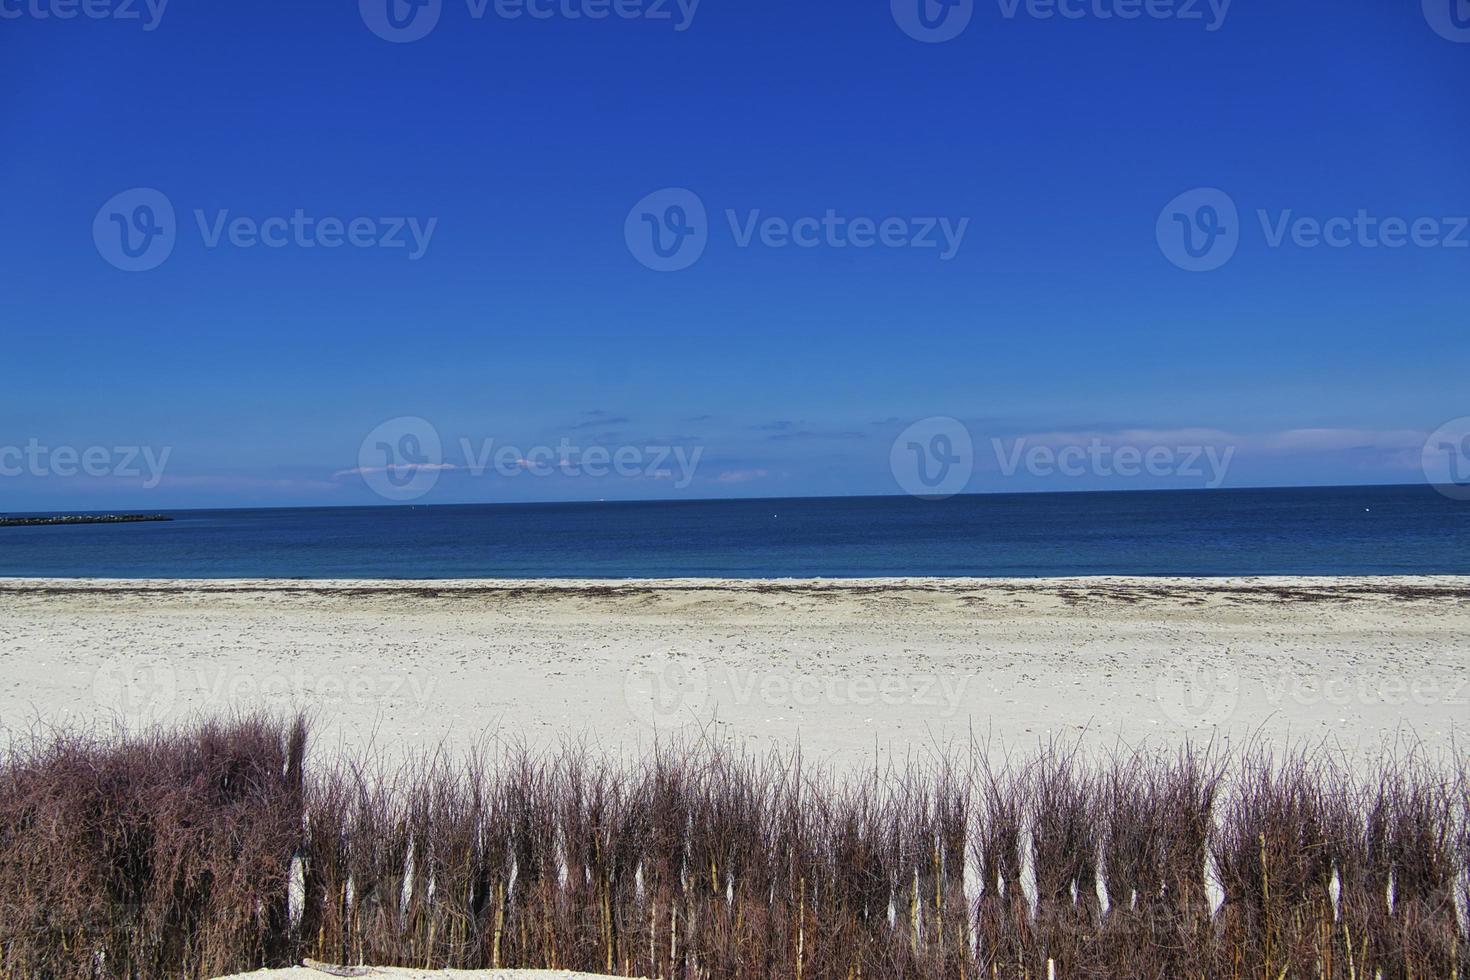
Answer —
81 519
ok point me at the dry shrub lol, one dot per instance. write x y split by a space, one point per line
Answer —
165 853
171 854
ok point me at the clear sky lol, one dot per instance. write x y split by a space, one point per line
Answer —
1043 156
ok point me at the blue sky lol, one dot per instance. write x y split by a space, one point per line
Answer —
519 147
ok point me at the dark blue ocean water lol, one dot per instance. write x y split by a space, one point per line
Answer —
1326 531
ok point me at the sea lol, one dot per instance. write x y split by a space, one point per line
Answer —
1381 530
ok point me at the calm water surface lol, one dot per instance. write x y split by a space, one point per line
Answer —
1331 531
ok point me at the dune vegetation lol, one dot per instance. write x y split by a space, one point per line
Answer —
221 847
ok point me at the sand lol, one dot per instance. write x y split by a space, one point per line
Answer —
846 668
303 973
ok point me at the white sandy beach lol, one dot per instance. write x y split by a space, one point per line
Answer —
398 973
846 668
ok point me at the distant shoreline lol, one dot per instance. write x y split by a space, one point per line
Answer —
81 519
1138 586
1078 590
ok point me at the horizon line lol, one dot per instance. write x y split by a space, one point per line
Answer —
387 505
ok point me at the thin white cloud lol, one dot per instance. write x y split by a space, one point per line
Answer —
405 469
1331 440
1324 440
205 482
742 476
